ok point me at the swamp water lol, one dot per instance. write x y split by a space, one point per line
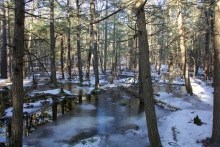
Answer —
109 115
102 115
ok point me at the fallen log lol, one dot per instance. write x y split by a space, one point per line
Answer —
45 96
131 91
41 96
136 94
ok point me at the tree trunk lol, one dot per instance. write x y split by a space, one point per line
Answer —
4 48
159 60
9 42
207 43
89 54
69 61
212 39
100 51
171 67
54 111
183 50
52 45
114 56
135 46
94 36
216 109
78 44
17 79
161 47
61 56
106 38
131 54
197 57
30 68
147 89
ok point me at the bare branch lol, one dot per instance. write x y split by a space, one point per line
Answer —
37 36
28 1
132 28
9 45
38 61
129 3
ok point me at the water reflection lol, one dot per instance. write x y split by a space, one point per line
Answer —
5 100
80 95
110 114
107 112
5 124
46 115
75 88
54 110
177 90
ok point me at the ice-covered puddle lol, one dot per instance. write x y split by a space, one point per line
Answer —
86 107
103 121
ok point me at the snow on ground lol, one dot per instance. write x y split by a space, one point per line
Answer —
2 81
176 128
179 128
54 91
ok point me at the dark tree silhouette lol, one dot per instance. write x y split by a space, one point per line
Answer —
17 77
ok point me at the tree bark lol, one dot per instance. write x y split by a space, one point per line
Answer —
4 48
106 38
89 54
69 61
216 109
78 43
185 65
131 54
17 77
61 56
114 55
207 43
171 66
147 89
30 68
212 38
9 42
52 45
94 36
171 52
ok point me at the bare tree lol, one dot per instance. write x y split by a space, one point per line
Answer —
106 37
69 63
61 55
78 43
52 45
185 66
17 77
94 42
89 54
30 63
207 43
114 54
147 89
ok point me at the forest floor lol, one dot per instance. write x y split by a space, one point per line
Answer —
115 119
